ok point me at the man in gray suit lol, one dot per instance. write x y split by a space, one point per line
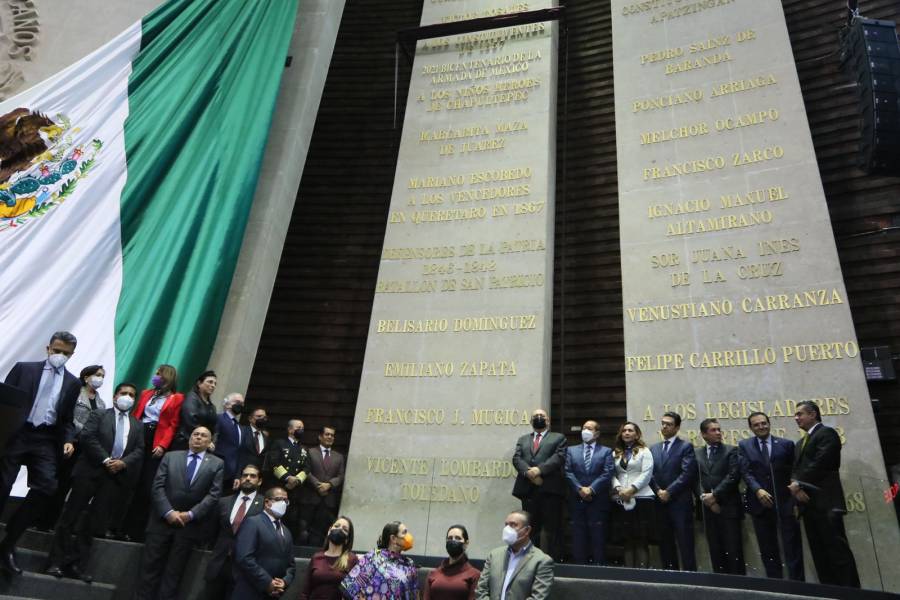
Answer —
518 570
263 553
539 460
185 491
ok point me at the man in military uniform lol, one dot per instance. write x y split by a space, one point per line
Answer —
289 462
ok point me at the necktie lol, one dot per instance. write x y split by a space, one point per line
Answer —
537 442
326 459
711 454
256 439
278 527
764 448
237 431
118 448
46 398
191 469
241 513
666 447
803 441
588 450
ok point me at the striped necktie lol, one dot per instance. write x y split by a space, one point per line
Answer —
588 451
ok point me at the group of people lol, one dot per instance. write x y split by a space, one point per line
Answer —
165 468
156 466
638 495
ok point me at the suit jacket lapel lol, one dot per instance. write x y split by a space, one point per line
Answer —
521 564
665 455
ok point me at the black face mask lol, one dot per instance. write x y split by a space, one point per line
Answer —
538 421
337 536
237 408
298 434
455 548
261 423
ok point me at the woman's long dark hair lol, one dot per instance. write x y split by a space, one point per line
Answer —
619 446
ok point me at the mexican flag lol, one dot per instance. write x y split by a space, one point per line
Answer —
126 182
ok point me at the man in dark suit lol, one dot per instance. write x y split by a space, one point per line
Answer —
589 470
230 436
816 485
40 443
263 552
717 487
112 446
766 463
256 443
185 491
539 459
321 492
290 467
674 474
232 512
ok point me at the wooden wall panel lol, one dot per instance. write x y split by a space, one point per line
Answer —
312 347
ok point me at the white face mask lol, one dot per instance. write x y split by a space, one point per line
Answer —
510 536
587 436
278 509
124 403
57 360
96 381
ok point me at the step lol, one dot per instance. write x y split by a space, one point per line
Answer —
35 561
45 587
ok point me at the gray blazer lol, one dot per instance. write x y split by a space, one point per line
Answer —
171 492
531 580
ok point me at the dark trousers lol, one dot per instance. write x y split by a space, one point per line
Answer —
546 516
84 515
221 585
39 450
135 521
166 554
726 550
293 518
830 550
767 524
676 533
315 520
590 525
50 515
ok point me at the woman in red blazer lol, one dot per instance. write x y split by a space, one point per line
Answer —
159 409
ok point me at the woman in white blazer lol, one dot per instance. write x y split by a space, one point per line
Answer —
634 514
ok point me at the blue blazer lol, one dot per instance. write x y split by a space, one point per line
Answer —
757 475
598 477
676 472
260 555
227 446
27 377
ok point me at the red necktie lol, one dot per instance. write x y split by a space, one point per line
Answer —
239 517
537 442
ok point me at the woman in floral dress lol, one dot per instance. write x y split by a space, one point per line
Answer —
384 573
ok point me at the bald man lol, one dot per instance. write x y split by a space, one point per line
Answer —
185 490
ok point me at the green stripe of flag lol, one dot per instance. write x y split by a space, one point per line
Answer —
201 97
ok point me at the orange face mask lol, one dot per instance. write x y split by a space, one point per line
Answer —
407 542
